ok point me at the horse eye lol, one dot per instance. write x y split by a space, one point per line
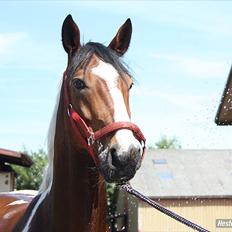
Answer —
79 84
131 86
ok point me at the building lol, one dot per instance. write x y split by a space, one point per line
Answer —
224 114
7 175
193 183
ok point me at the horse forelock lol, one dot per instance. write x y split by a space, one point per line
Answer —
85 53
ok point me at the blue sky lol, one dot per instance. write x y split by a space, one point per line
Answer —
180 55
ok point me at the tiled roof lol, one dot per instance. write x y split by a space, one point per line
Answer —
185 173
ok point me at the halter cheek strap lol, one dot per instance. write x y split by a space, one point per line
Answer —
85 134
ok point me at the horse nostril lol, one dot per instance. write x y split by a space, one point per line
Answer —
120 159
137 151
114 157
113 151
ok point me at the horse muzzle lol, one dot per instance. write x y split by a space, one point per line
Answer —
120 165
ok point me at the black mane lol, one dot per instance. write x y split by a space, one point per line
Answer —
85 53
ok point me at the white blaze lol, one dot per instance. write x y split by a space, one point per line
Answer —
109 74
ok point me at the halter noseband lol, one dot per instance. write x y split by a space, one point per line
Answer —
85 134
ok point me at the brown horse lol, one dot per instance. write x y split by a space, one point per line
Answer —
94 92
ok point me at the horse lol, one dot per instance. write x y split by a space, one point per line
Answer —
91 141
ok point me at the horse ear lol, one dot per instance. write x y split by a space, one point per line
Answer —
70 36
121 41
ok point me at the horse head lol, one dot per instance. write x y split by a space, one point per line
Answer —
98 86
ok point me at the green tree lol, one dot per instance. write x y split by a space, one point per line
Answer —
167 143
112 196
31 178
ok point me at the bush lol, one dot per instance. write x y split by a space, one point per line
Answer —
31 178
166 143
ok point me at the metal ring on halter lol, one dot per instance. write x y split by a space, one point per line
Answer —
68 109
91 139
143 144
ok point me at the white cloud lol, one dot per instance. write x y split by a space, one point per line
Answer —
203 68
9 40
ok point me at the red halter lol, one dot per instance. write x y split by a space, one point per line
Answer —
85 134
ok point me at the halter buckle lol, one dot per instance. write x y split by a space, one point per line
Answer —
69 108
91 140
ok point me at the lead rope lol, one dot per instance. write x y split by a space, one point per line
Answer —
127 187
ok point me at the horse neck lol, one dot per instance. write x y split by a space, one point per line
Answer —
78 192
